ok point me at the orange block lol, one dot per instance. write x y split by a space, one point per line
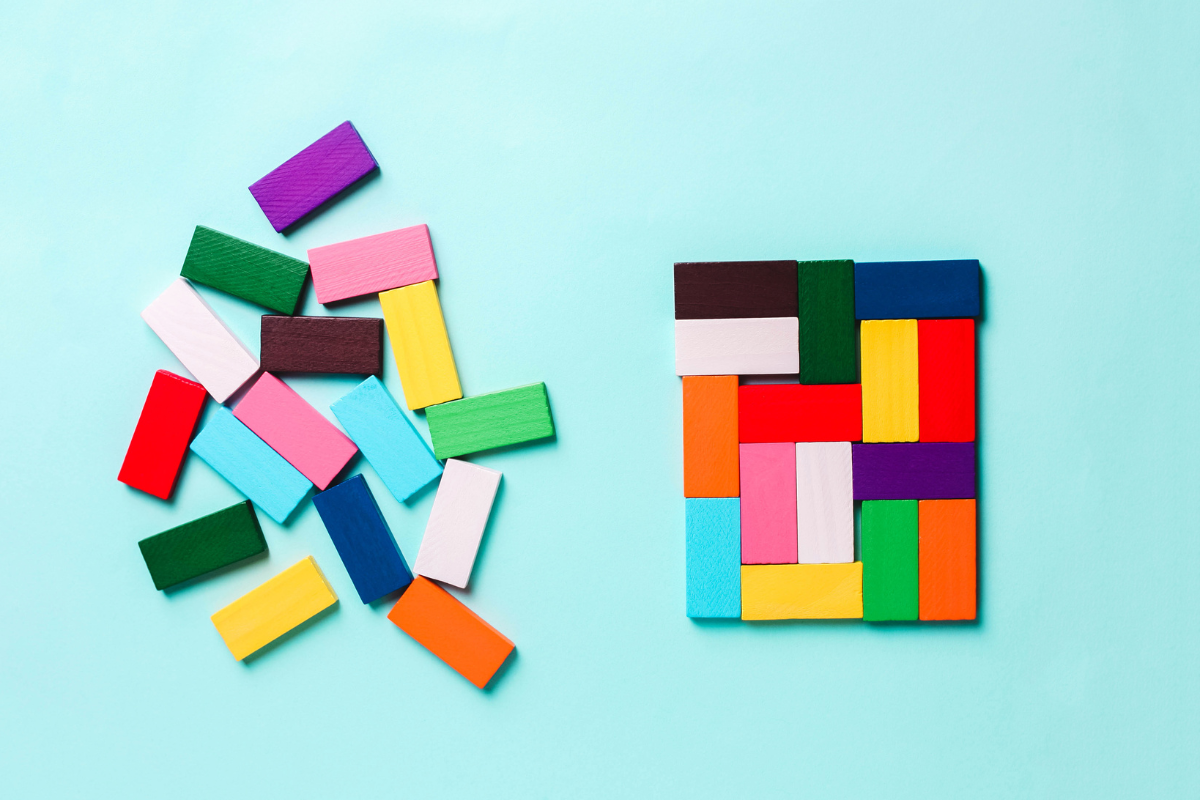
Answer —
451 631
946 559
710 436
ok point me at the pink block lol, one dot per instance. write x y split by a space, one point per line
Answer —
768 473
372 264
295 430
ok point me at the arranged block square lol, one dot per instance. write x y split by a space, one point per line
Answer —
758 346
947 559
714 545
768 477
914 471
487 421
710 436
372 264
824 503
947 377
352 345
163 431
890 394
363 539
802 591
735 289
827 326
245 270
422 348
198 547
789 412
916 289
457 522
262 615
889 557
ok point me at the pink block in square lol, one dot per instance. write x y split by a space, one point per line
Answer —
768 473
372 264
295 430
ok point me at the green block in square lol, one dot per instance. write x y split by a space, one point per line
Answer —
827 350
888 545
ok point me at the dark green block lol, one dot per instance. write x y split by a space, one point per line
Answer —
491 420
827 352
888 544
251 272
202 545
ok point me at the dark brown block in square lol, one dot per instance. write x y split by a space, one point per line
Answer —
322 344
735 289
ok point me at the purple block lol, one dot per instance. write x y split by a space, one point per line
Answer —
914 471
312 176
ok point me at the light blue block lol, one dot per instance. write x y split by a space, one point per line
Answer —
714 557
250 464
387 438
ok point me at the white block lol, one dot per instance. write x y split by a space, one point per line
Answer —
763 346
824 503
200 340
460 513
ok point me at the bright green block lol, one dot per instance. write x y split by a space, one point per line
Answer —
888 544
198 547
251 272
827 350
491 420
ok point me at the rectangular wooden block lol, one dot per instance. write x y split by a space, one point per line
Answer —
827 327
418 334
512 416
735 289
299 185
946 364
200 340
451 631
914 471
245 270
889 557
916 289
890 395
352 345
762 346
710 436
295 430
824 503
947 559
803 591
768 475
387 438
363 539
198 547
161 437
456 523
254 469
267 612
714 545
372 264
790 412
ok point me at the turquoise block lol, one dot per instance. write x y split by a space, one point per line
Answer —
714 557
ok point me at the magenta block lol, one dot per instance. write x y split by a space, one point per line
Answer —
914 471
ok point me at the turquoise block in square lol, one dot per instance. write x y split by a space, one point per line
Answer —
714 557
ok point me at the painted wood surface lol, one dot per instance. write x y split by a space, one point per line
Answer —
456 523
245 270
735 289
824 503
802 591
198 547
947 559
163 431
372 264
946 367
421 345
889 557
267 612
363 539
714 544
765 346
486 421
344 345
797 413
768 477
827 328
710 436
916 289
914 471
890 391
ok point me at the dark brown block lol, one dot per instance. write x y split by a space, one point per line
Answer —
322 344
733 289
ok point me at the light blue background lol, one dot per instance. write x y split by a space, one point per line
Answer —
563 158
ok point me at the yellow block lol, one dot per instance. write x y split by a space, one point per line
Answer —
414 321
262 615
802 591
890 393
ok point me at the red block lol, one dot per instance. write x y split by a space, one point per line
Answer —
946 375
793 412
162 434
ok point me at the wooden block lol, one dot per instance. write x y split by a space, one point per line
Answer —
914 471
456 523
262 615
946 364
714 544
916 289
200 340
295 430
947 559
710 436
372 264
768 475
827 327
245 270
803 591
250 465
420 344
198 547
729 289
792 412
451 631
499 419
363 539
890 396
387 438
161 437
352 345
313 176
765 346
824 503
889 557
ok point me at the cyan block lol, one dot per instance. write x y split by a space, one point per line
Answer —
916 289
714 557
363 539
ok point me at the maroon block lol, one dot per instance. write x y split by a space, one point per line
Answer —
351 345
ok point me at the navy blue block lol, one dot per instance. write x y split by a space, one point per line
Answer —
916 289
362 539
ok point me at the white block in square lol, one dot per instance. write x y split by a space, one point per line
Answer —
761 346
824 503
455 528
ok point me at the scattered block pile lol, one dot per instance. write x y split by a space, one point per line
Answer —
870 399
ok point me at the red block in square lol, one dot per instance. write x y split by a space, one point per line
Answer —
794 412
946 379
162 434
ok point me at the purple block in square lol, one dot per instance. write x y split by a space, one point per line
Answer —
312 176
914 471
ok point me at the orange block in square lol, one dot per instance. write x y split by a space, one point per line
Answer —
710 436
946 559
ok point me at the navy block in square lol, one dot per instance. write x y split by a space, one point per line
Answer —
916 289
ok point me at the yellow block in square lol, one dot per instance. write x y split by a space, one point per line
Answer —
262 615
890 395
802 591
415 325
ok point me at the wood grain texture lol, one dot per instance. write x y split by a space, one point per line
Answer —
456 523
363 539
451 631
417 331
486 421
916 289
824 503
198 547
797 413
163 431
768 477
710 436
200 340
889 557
890 389
725 289
714 544
827 327
245 270
947 559
802 591
946 368
372 264
342 345
313 176
267 612
914 471
764 346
